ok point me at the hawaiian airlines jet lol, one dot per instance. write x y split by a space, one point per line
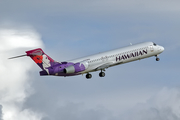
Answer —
97 62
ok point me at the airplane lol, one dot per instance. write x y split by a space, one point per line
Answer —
97 62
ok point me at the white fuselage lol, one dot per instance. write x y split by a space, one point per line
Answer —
123 55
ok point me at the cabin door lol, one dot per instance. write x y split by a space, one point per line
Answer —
151 48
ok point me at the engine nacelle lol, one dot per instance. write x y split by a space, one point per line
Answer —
78 67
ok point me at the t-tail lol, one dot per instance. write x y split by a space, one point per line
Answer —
40 58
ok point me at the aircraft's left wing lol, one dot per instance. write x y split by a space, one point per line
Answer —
107 65
104 66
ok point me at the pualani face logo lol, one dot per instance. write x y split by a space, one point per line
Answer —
135 54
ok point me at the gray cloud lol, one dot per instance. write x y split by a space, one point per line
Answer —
162 106
76 111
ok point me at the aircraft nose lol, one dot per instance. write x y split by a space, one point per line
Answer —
161 48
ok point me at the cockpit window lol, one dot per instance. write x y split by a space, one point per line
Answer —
154 44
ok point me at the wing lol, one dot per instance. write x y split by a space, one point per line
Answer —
107 65
102 66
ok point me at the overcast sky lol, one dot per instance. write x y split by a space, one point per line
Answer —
68 29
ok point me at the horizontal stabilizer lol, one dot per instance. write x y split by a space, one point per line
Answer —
17 56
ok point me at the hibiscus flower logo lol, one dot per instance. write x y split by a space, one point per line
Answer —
38 59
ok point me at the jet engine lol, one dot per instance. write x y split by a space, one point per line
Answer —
77 67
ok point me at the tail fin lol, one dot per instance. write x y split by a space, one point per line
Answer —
40 58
